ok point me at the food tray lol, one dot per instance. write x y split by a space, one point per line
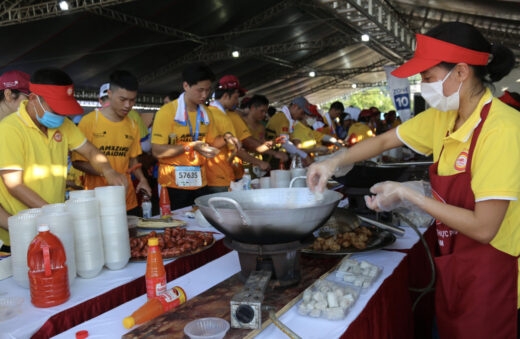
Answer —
160 224
169 257
380 238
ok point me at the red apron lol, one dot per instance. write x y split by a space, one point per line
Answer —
476 287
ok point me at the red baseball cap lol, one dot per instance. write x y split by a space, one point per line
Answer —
430 52
15 80
231 82
59 98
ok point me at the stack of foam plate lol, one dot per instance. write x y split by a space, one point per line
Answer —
114 223
60 224
88 238
22 230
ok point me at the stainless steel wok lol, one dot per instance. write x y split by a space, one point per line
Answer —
268 216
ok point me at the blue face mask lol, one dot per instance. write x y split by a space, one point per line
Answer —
49 119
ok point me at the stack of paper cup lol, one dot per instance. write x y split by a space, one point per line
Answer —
88 238
265 182
51 208
22 230
280 178
60 224
114 223
81 194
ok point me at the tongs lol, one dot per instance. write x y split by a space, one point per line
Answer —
394 229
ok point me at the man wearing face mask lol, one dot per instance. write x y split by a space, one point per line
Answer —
34 143
475 142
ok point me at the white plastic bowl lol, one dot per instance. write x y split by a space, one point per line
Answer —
207 328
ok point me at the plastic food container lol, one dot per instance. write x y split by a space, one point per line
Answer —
10 307
207 328
327 299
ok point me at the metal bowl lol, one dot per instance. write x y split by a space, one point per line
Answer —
268 216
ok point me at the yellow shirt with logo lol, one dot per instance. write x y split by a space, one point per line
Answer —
119 141
41 157
219 169
243 133
496 159
278 124
166 131
308 137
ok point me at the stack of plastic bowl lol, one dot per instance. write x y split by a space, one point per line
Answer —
114 223
51 208
88 238
22 229
81 194
60 224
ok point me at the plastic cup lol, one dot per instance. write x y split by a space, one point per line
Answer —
73 195
207 328
280 178
110 196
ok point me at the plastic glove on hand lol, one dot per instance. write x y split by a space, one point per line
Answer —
389 195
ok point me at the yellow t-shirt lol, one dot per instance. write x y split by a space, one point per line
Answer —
243 132
219 169
308 137
361 130
42 158
166 131
496 159
135 116
119 141
278 124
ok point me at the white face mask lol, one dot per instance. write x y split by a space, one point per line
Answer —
433 93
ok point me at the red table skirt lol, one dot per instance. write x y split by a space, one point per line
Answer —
388 314
92 308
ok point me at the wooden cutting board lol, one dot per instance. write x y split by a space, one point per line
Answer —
215 303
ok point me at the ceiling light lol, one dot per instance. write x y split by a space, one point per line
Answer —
235 54
504 89
518 80
64 5
312 74
354 85
365 37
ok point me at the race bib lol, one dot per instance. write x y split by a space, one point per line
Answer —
188 176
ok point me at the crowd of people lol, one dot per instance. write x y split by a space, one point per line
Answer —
198 142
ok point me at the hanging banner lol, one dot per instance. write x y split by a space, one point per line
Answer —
399 89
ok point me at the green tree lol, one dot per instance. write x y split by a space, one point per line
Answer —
366 98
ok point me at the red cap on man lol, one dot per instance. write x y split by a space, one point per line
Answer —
231 82
15 80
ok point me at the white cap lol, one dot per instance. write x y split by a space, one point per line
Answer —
43 228
103 90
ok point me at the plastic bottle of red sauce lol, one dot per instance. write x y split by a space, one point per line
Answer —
165 202
155 273
156 306
48 280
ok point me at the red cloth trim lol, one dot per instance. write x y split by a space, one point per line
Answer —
59 98
430 52
92 308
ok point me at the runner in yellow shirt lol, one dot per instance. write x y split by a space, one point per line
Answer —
179 138
34 143
220 169
117 136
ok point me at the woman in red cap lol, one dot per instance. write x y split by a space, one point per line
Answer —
14 88
475 142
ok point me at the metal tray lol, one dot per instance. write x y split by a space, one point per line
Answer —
379 239
200 249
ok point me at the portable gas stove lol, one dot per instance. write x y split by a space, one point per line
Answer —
283 260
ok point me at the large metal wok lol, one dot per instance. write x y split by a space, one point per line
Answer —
268 216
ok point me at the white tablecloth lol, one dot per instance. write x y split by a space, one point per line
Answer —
32 318
310 328
110 324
